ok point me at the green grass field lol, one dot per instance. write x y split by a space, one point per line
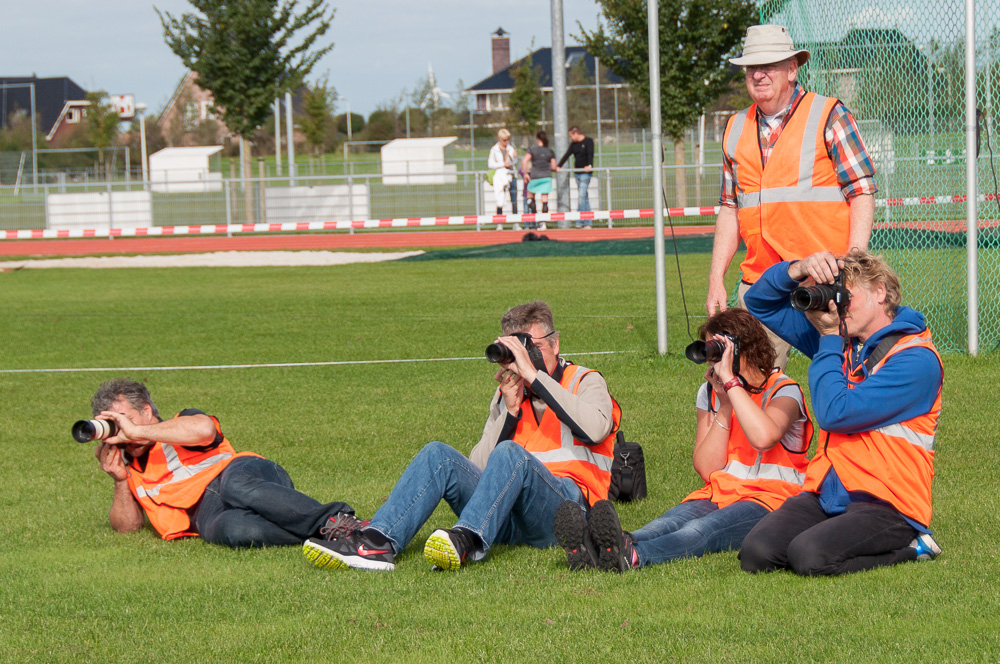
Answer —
75 591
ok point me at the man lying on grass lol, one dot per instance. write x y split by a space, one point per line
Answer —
876 393
186 477
549 437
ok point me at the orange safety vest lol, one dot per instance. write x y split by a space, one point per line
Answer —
174 480
894 463
551 442
793 206
767 477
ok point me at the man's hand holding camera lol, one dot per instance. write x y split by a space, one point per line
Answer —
513 376
823 268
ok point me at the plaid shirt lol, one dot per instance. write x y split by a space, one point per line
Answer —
855 171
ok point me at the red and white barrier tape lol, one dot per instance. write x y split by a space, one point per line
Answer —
486 220
423 222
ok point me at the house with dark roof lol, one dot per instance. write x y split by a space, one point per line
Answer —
492 92
57 101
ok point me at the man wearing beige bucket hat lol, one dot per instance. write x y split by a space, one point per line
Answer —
797 177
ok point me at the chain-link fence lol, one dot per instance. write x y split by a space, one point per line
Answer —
899 66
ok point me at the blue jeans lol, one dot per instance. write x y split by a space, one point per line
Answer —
583 194
694 528
512 501
253 503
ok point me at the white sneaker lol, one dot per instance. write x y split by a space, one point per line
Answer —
499 227
517 227
542 227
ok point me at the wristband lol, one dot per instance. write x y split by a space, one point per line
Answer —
732 382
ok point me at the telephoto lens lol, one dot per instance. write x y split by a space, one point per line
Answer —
85 431
809 298
700 352
499 353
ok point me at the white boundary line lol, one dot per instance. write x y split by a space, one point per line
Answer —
272 364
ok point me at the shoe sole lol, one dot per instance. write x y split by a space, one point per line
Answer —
570 528
606 530
440 552
331 560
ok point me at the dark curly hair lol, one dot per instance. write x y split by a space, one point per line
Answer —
755 348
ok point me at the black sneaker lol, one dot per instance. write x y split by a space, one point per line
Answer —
356 551
573 535
342 524
447 549
616 553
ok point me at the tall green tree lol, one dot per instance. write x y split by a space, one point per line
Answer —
316 122
246 53
696 39
102 124
525 100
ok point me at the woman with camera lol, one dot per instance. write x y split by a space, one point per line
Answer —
753 431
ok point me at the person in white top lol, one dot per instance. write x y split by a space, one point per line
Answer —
501 162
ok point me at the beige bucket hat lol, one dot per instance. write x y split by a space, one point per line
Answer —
767 44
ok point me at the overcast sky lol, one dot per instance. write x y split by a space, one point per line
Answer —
381 47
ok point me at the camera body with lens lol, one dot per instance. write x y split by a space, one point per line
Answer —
816 297
85 431
712 350
498 353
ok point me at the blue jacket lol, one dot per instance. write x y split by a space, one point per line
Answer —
902 389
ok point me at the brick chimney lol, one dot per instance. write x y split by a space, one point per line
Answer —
501 50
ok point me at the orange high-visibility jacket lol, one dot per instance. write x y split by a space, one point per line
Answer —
551 442
767 477
793 206
894 463
174 480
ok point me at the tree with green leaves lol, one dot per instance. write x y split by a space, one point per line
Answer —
697 37
316 122
247 53
102 124
525 99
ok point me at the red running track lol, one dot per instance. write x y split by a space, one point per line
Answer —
362 240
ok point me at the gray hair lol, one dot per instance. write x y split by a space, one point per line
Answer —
135 393
523 316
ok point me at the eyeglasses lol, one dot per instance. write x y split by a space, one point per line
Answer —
769 70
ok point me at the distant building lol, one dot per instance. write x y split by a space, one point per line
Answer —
59 103
191 105
492 92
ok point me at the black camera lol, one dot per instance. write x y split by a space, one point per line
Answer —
813 298
85 431
500 353
700 352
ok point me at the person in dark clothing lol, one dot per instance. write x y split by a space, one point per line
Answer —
582 149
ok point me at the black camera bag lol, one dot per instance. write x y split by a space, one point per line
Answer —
628 472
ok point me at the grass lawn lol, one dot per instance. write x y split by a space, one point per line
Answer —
75 591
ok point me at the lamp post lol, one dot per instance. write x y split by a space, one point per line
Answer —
141 110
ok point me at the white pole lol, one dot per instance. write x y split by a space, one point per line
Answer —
34 142
560 115
349 123
142 141
971 171
277 136
290 139
597 92
654 118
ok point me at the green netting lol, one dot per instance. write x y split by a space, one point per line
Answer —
899 65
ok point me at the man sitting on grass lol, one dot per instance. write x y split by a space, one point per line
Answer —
187 478
876 393
549 437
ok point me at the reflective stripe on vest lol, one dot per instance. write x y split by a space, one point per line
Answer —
768 477
179 471
764 471
895 462
793 205
551 442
